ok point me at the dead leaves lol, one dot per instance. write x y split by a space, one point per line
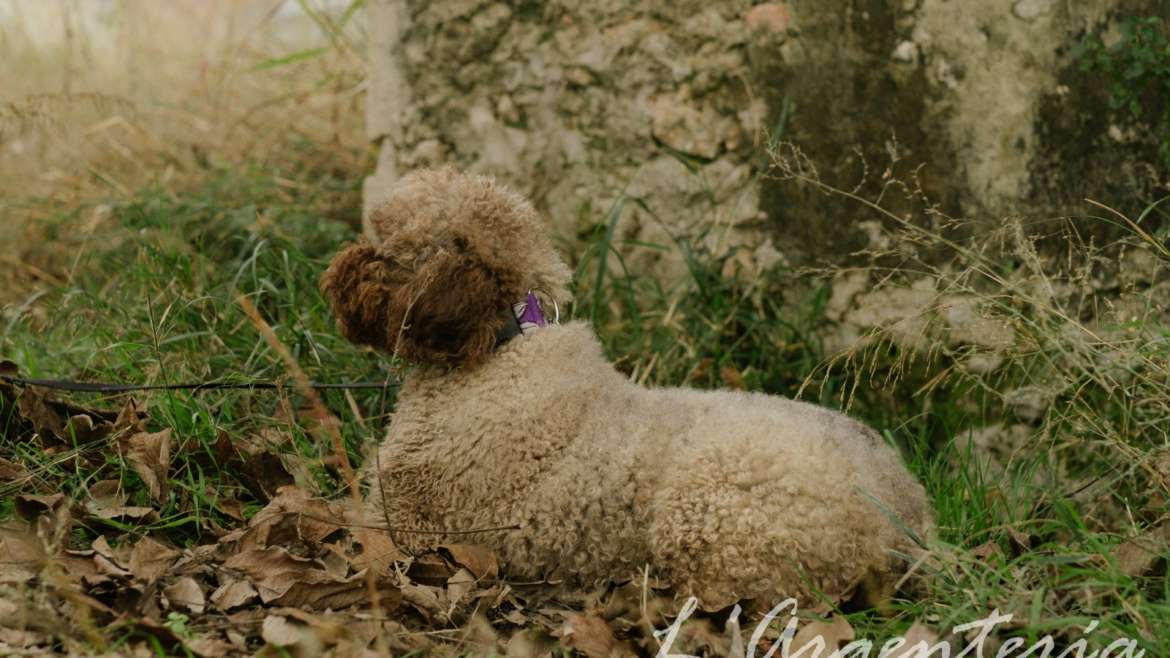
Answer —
284 579
302 576
919 640
149 454
296 579
22 553
38 411
11 471
82 439
150 560
295 638
478 560
1140 555
823 637
233 594
73 437
184 594
591 636
107 501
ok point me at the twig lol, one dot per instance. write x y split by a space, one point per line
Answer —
369 526
322 416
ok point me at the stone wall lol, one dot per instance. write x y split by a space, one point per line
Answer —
673 104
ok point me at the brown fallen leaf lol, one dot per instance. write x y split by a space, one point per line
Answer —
1137 556
263 473
107 567
375 550
101 546
247 619
239 642
79 565
479 560
57 419
149 559
209 647
22 553
986 550
128 514
21 642
273 571
283 579
35 406
430 569
110 563
329 626
527 643
478 633
187 594
825 637
107 501
337 559
430 601
298 639
106 493
131 418
11 471
8 610
29 507
459 586
232 507
149 454
919 635
82 428
234 594
589 635
293 516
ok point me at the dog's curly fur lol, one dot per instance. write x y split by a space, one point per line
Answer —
729 495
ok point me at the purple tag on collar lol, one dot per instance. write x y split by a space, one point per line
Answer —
528 313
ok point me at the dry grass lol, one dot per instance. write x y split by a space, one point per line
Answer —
1033 324
100 101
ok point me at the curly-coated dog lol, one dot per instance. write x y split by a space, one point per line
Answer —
509 419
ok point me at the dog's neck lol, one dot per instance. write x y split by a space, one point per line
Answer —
523 317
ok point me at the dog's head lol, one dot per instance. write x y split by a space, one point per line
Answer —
452 252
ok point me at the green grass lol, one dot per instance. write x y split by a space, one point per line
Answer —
153 299
708 330
1137 69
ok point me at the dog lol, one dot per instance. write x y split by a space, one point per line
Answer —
509 419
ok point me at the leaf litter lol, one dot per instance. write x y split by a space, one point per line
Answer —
300 576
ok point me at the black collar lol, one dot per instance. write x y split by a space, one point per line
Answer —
510 330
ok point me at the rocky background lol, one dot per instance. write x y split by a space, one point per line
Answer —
675 104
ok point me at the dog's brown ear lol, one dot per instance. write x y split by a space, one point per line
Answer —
458 307
360 287
444 308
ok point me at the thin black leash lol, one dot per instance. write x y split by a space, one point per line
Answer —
104 387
